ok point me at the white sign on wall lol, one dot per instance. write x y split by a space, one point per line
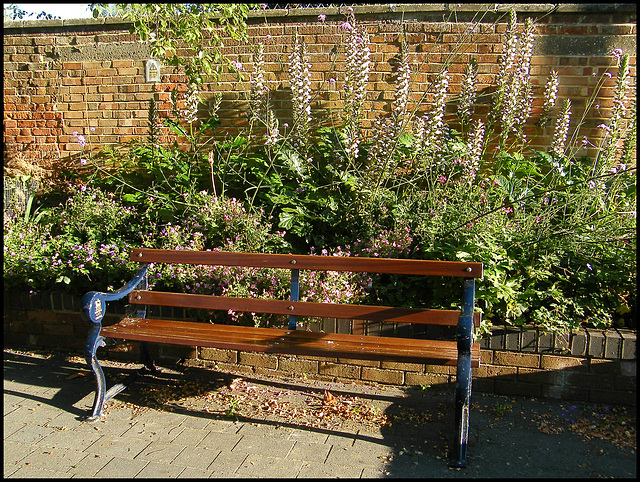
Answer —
153 71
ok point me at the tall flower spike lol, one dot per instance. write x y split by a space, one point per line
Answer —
507 59
259 96
475 145
273 132
629 143
618 111
300 81
513 99
550 96
434 122
468 92
562 129
402 87
356 78
523 76
191 104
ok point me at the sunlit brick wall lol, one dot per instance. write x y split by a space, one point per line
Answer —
88 76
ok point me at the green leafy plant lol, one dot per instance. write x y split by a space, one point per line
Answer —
556 232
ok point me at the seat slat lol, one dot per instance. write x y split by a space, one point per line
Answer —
299 308
272 340
329 263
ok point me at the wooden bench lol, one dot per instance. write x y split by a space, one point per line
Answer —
462 353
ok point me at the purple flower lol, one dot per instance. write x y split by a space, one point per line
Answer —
322 17
81 140
75 133
346 26
83 161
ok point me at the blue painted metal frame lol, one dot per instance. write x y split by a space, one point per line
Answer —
295 296
463 376
94 305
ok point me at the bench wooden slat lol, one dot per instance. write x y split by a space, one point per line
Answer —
329 263
272 340
299 308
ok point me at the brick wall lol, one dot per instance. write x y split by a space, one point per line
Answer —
594 365
62 76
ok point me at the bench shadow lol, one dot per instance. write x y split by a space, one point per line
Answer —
504 435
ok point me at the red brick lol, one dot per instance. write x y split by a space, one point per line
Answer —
229 356
339 370
297 365
529 360
417 379
390 377
551 362
258 360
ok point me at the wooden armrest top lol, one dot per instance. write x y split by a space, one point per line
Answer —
329 263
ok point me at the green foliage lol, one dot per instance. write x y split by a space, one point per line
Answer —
13 12
170 27
556 233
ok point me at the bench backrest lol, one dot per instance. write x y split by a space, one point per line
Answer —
294 308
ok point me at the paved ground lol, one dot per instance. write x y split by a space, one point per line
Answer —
46 395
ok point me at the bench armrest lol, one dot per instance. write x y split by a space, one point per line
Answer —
94 303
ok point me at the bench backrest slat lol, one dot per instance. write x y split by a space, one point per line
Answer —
298 308
328 263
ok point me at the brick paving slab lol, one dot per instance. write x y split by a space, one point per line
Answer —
313 471
14 452
159 431
55 458
193 473
114 446
255 444
267 466
122 468
227 463
309 451
45 437
90 465
160 470
29 434
190 436
196 457
161 452
220 441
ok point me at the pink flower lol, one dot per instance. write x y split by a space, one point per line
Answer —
346 26
322 17
83 161
617 53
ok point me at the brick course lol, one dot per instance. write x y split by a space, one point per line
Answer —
77 67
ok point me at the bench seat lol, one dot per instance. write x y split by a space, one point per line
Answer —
290 342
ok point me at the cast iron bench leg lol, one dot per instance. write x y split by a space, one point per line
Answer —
463 376
94 340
